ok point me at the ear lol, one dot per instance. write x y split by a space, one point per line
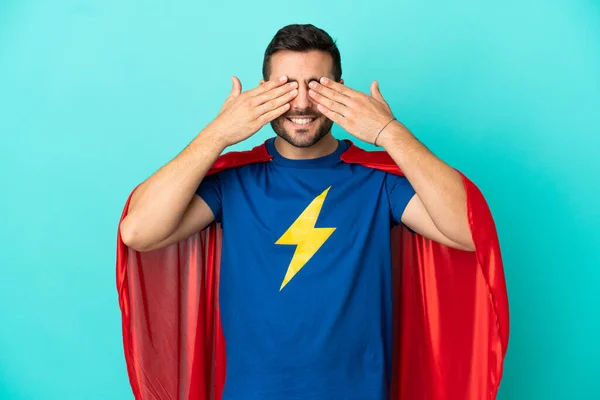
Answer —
342 81
262 81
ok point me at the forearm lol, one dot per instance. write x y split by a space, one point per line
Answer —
158 204
439 186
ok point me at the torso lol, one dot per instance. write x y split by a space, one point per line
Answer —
324 331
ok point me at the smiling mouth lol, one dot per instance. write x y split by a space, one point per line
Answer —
302 121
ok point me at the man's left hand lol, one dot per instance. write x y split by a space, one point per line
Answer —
359 114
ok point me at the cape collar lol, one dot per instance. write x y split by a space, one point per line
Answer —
353 155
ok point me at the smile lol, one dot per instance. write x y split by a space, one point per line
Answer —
301 121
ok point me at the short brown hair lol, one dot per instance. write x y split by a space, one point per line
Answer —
302 37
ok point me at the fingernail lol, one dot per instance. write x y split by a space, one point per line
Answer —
283 78
312 93
312 84
324 80
294 84
294 92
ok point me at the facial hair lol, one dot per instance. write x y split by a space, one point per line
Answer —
299 138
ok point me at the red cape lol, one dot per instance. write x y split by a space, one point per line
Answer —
450 311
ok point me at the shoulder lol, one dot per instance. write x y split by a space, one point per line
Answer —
240 158
379 159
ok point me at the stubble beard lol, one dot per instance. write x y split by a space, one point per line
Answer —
301 138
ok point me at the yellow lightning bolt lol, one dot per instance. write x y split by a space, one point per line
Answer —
307 238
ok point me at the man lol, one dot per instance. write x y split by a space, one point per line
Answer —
305 274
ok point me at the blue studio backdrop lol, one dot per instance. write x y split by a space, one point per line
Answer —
96 95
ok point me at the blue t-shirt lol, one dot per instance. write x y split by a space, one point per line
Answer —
305 284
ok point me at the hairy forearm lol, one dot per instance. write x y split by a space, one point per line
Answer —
439 186
158 204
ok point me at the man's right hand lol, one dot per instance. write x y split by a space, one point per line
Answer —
164 208
243 114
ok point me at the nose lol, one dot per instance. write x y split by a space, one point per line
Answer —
302 100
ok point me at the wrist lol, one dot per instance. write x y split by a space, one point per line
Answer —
391 134
214 136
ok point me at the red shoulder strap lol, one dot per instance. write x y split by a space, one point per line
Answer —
235 159
373 159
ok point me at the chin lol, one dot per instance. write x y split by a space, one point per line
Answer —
302 132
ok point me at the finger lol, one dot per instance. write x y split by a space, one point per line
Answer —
330 93
375 93
277 102
273 114
338 87
332 115
275 93
236 88
268 85
328 103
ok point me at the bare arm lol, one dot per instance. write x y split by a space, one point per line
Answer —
438 210
158 205
439 207
164 208
417 218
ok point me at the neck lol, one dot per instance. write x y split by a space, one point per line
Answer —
327 145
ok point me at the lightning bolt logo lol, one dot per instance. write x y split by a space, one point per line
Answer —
307 238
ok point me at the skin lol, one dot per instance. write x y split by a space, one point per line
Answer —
438 209
164 208
300 142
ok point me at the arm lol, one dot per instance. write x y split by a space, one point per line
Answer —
438 210
163 209
158 206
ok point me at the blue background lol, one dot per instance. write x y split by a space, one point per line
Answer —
97 95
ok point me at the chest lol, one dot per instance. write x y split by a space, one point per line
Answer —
272 201
318 229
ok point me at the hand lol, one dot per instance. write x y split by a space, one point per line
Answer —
359 114
243 114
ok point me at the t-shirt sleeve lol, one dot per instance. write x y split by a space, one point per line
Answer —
399 191
210 191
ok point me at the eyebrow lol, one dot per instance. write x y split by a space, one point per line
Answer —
306 81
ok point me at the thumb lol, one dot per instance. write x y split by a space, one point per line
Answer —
236 87
375 93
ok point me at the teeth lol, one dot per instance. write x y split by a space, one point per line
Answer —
301 121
